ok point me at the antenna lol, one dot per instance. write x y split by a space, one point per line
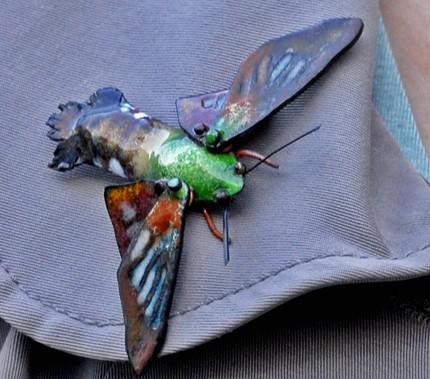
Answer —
226 239
281 148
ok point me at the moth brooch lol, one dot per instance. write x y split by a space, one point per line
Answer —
172 168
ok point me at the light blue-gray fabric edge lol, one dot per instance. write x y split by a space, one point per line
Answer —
392 104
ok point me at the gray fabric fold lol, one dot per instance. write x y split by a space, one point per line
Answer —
344 207
378 330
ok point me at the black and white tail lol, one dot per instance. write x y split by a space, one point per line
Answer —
64 124
73 148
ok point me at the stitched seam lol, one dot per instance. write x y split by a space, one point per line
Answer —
54 306
105 323
279 271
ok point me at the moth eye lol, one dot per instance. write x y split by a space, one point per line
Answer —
201 129
174 184
213 138
160 186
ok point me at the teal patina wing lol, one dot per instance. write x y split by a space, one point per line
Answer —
271 76
150 242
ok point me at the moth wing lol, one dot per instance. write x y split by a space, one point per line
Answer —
278 71
128 206
200 110
147 274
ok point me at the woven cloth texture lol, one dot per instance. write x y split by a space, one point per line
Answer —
374 331
344 207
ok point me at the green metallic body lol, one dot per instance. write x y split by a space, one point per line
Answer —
205 172
163 152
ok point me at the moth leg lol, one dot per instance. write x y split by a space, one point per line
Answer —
191 197
212 227
255 155
211 224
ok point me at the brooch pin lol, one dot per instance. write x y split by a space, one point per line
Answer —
173 168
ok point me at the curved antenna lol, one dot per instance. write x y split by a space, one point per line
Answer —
281 148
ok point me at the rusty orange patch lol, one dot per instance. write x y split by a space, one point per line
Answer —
140 197
165 215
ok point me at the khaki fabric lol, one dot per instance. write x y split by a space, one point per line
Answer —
345 207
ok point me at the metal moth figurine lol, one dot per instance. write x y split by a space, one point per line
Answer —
172 168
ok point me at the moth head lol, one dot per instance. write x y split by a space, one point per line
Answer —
214 138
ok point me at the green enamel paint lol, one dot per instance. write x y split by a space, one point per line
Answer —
177 156
206 173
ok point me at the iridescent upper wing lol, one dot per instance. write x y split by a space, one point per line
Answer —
151 251
274 74
200 111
